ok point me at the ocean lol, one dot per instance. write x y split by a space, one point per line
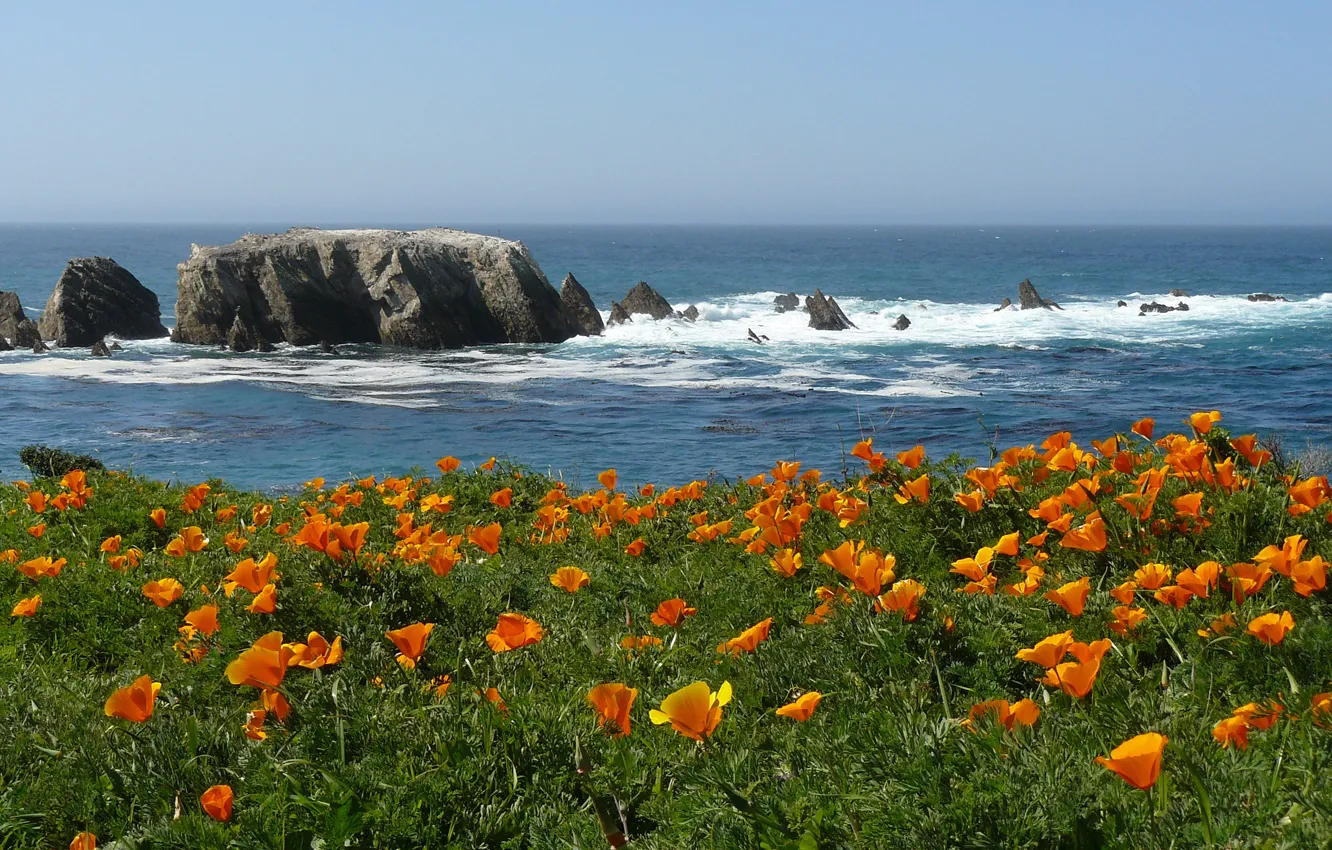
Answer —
671 401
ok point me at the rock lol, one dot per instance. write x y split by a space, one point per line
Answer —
1030 299
241 337
825 314
99 349
1122 304
618 315
1004 305
1257 296
690 314
580 306
1181 306
644 299
753 337
11 314
115 346
902 323
1154 307
326 347
434 288
4 345
95 297
1178 293
26 335
786 303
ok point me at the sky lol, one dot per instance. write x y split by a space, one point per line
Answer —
683 112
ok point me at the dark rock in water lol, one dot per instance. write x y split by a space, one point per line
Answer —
26 335
241 337
11 314
4 345
327 347
265 346
1181 306
1004 305
753 337
434 288
902 323
581 306
1257 296
786 303
825 314
1155 307
690 314
1122 304
100 349
644 299
96 296
1030 299
618 315
115 346
1178 293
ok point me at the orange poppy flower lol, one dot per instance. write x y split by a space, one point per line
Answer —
204 619
694 710
972 501
607 479
915 490
27 607
496 700
1074 678
672 612
636 548
252 575
111 545
803 708
1272 628
36 500
37 530
639 641
1309 576
1126 619
488 466
787 562
42 567
911 458
411 642
1144 427
1072 597
254 724
158 516
1233 730
1048 651
448 464
1173 594
570 579
487 538
502 498
265 601
217 802
134 702
317 652
1152 576
1201 579
748 640
264 664
163 591
1089 537
612 702
1137 760
904 597
513 631
1202 421
1024 712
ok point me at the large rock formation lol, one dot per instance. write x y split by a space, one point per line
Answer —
618 315
96 296
26 335
1030 299
825 314
11 313
436 288
644 299
581 306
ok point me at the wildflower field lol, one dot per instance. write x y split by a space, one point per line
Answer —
1123 644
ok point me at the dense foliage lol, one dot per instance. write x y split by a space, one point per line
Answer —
376 742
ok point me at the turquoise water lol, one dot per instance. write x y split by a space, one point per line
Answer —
671 401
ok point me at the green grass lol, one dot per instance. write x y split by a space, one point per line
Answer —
371 758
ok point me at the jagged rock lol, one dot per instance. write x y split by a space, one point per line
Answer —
1004 305
825 314
26 335
241 337
902 323
115 346
644 299
94 297
11 314
753 337
1182 306
618 315
434 288
1266 296
690 314
1155 307
326 347
4 345
1030 299
1178 293
1122 304
100 349
580 306
786 303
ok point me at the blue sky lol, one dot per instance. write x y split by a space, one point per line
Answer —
733 112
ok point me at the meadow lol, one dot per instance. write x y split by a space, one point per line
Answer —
1118 644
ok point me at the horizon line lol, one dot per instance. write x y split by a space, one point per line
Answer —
371 225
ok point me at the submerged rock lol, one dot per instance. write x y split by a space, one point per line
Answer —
690 313
26 335
1122 304
435 288
1004 305
11 314
825 314
646 300
753 337
902 323
1030 299
96 296
580 306
786 303
100 349
1155 307
1178 293
618 315
1266 296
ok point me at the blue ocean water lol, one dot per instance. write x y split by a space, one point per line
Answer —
671 401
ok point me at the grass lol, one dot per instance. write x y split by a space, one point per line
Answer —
372 756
